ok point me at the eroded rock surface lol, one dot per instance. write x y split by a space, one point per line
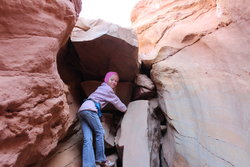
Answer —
199 52
34 114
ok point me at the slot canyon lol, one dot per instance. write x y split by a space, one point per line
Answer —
184 69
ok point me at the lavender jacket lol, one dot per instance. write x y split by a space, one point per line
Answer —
104 94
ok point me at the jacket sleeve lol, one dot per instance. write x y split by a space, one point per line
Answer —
115 100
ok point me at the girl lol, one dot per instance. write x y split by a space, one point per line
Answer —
89 113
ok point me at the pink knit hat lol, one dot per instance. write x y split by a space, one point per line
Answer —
108 75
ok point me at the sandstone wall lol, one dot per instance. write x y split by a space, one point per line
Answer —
34 114
199 54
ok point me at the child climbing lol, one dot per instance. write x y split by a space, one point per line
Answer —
89 114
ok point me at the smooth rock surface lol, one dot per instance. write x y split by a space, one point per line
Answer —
199 52
102 46
134 135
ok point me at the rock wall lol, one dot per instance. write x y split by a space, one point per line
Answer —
199 54
34 114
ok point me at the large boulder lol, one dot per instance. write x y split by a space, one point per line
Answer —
144 89
102 46
139 136
133 137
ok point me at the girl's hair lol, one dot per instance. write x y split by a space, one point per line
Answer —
108 75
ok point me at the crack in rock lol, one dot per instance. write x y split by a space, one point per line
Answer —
208 150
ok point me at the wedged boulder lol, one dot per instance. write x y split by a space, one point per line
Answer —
145 81
134 135
144 89
139 136
103 47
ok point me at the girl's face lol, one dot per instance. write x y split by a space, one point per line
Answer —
113 81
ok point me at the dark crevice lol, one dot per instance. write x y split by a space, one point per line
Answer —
145 69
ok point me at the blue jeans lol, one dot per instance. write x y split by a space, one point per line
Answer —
91 126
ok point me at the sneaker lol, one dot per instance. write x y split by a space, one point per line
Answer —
106 164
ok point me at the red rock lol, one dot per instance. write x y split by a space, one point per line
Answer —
34 113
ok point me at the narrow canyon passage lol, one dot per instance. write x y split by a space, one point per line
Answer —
184 69
82 66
